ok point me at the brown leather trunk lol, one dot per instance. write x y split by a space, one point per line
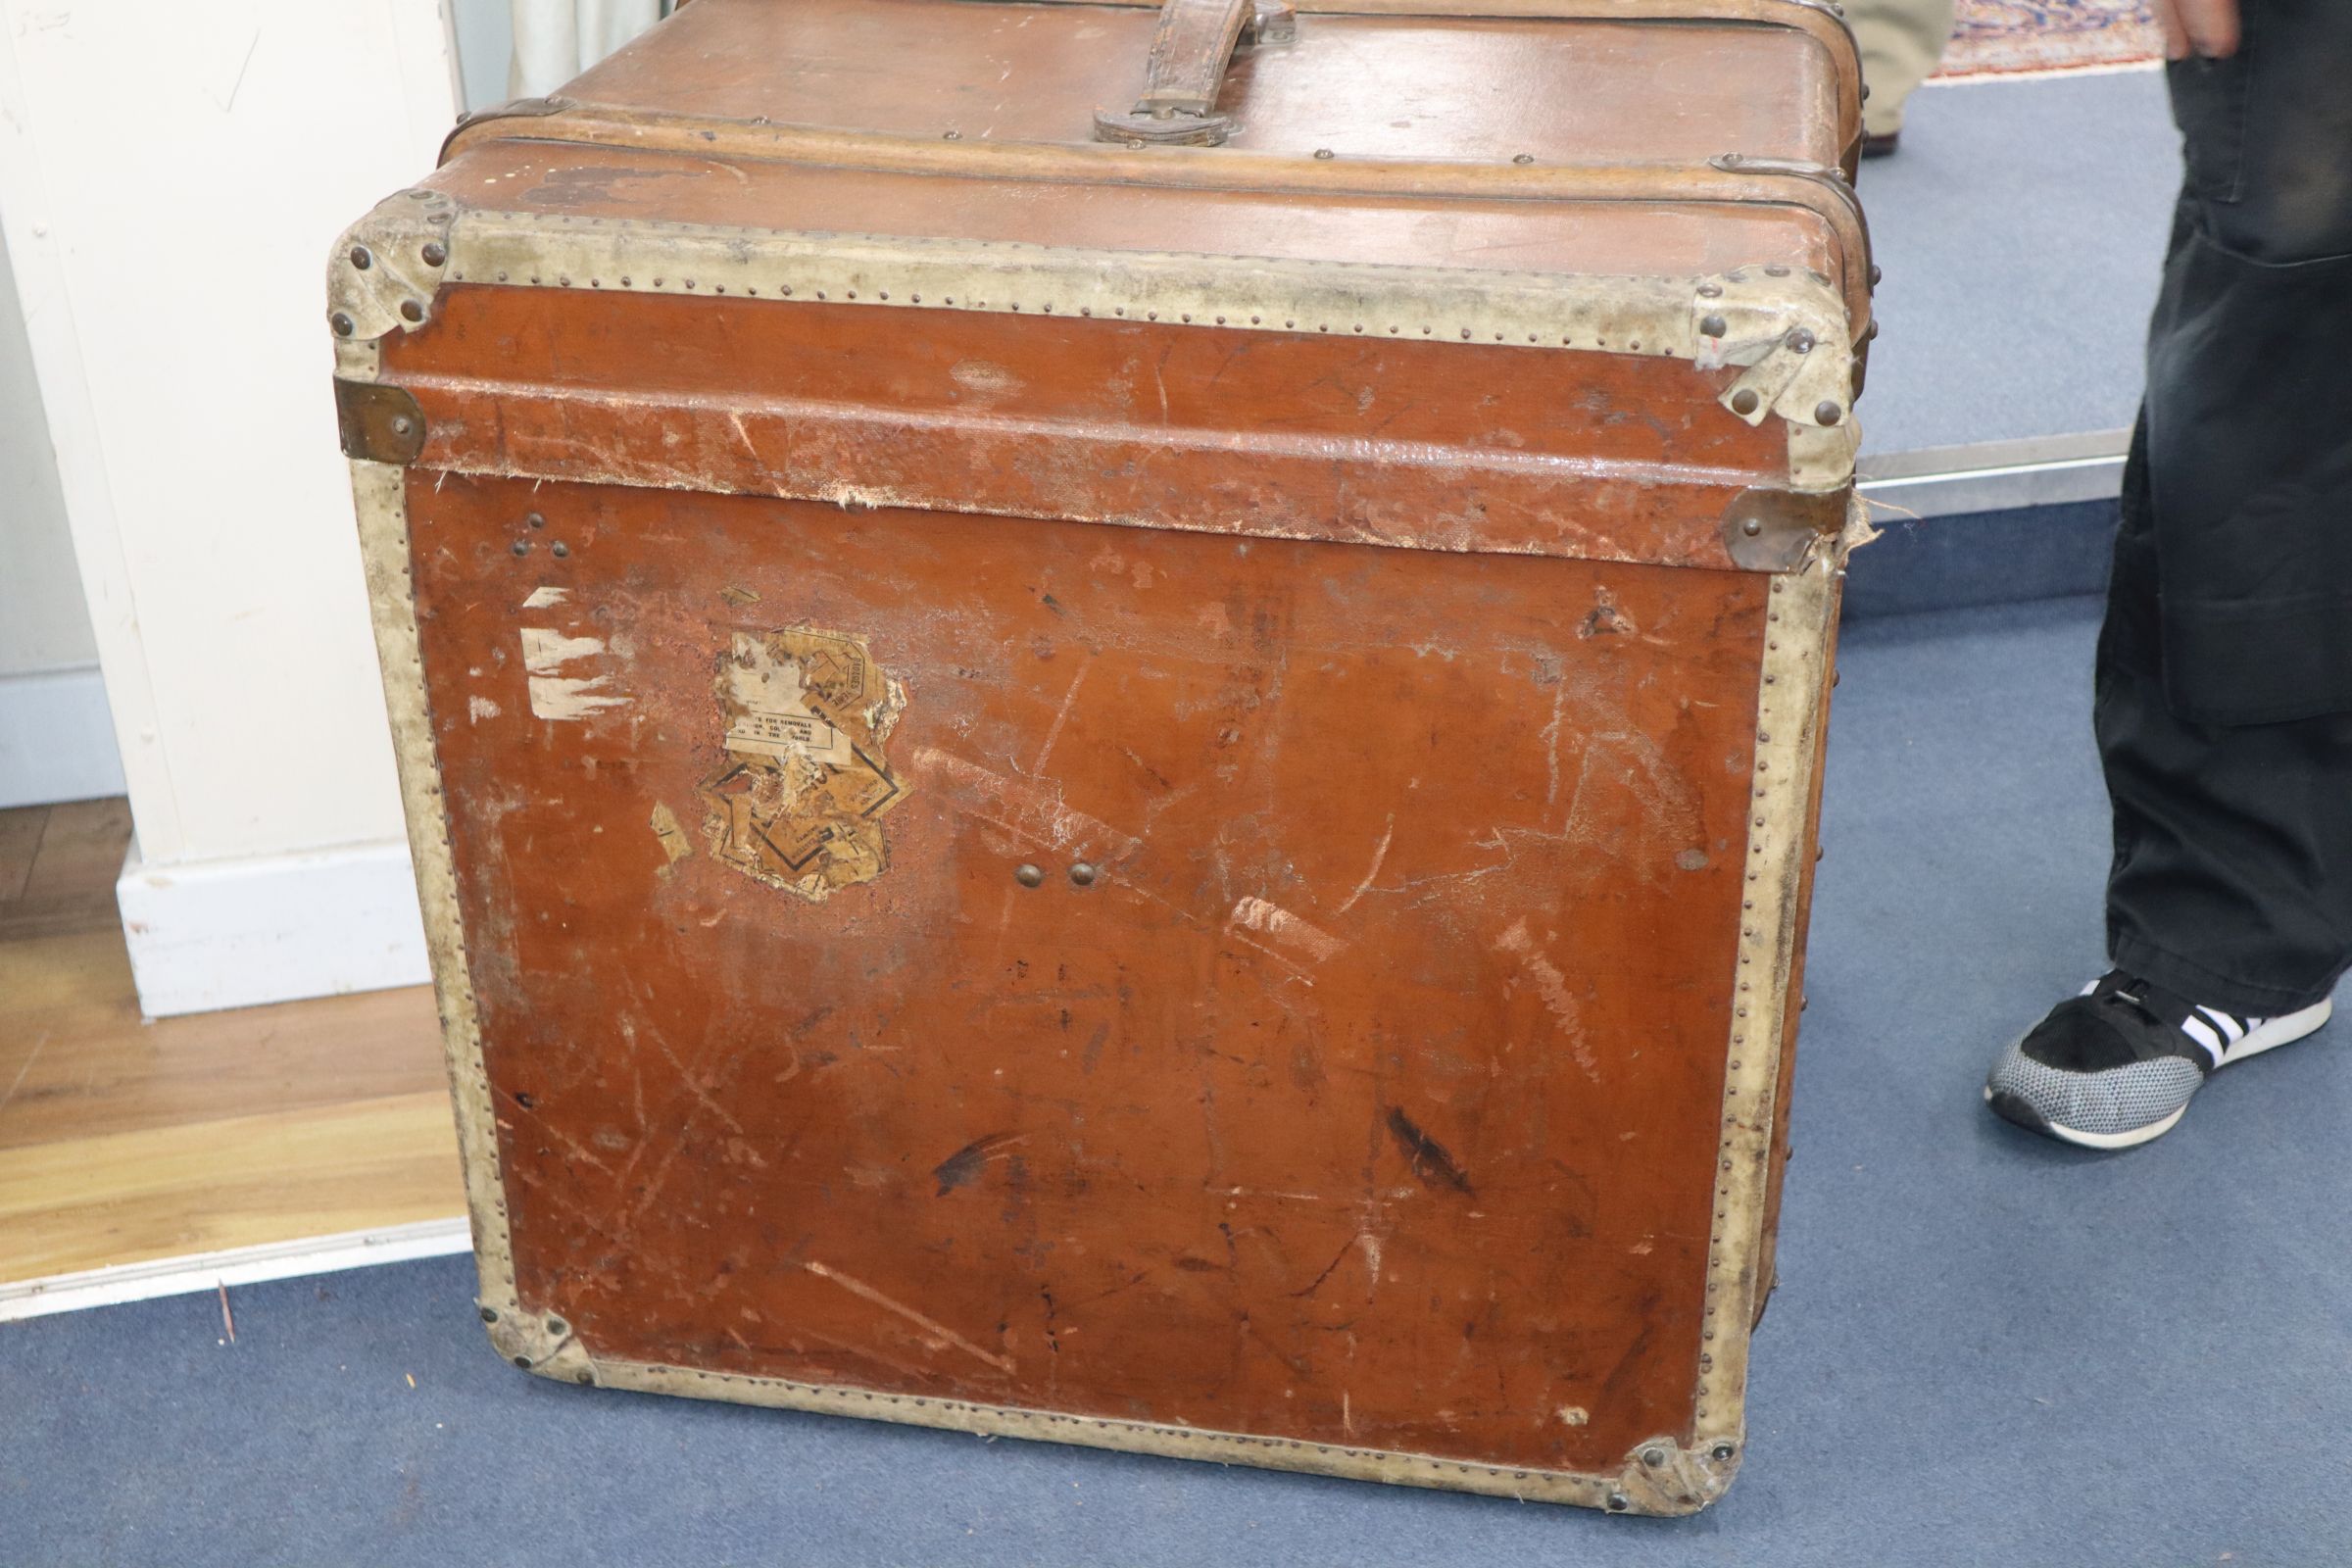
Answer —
1120 745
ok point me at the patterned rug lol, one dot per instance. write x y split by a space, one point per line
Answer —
1993 36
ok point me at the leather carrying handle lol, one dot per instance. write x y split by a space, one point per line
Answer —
1191 49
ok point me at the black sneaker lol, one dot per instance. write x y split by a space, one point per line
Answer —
2116 1066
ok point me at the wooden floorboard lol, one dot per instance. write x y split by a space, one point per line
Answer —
20 838
67 879
128 1140
120 1198
102 1067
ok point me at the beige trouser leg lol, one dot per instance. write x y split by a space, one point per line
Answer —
1901 41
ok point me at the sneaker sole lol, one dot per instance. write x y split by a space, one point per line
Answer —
2283 1030
2013 1109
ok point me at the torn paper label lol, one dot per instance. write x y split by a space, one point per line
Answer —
546 652
675 844
769 714
805 719
556 695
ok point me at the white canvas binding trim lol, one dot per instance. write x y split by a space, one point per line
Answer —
380 491
1785 328
1658 1477
1799 610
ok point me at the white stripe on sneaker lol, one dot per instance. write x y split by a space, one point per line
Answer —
2229 1024
2201 1032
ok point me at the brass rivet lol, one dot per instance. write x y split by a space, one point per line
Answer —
1801 342
1752 526
360 258
559 550
410 310
950 135
535 520
1722 1450
1523 158
1619 1503
523 547
555 1325
1028 876
1775 272
1653 1457
434 253
1827 413
1710 291
1744 401
402 425
343 324
1713 326
1322 152
523 1361
489 1314
1083 874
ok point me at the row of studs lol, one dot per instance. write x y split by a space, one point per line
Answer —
1756 1019
419 759
625 1375
435 253
1259 318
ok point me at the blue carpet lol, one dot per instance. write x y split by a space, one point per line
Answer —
2021 228
1987 1351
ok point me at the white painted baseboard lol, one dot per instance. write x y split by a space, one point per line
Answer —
57 738
241 1266
271 928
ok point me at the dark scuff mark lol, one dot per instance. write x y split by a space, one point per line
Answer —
1430 1163
1329 1268
1093 1048
1606 621
962 1167
587 185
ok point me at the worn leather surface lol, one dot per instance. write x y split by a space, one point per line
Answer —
1376 716
1367 1095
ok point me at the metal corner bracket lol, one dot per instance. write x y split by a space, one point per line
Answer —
1768 530
379 422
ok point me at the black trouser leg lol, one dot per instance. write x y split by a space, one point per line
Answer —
2223 709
